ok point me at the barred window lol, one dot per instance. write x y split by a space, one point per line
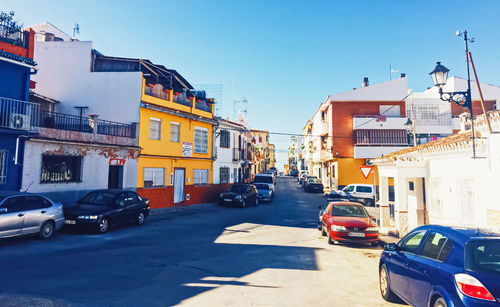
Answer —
225 138
59 169
154 128
3 166
154 177
175 132
224 174
200 140
200 177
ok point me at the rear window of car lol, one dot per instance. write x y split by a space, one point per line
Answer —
263 179
314 180
362 189
262 186
483 255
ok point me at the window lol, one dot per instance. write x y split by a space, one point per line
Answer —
36 202
349 188
154 177
225 138
362 189
132 199
3 166
434 246
58 169
14 204
483 255
154 128
200 140
175 132
200 177
411 242
224 174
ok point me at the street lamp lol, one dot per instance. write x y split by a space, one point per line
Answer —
410 131
461 98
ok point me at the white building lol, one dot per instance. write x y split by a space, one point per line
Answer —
230 147
440 183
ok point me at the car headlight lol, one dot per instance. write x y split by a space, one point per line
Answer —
237 197
337 228
372 229
88 217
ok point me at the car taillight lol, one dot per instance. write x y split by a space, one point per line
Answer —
472 287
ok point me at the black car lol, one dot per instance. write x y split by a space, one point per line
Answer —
239 194
323 207
313 184
100 209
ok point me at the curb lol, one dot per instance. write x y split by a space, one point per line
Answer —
158 213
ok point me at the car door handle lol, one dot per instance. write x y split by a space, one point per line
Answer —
43 211
20 215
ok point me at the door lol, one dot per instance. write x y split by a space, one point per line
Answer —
12 221
119 214
399 268
134 205
35 213
115 177
179 185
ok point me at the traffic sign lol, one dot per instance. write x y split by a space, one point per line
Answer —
366 170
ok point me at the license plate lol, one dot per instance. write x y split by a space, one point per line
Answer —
227 199
356 234
70 222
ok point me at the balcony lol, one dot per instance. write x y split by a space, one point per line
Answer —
378 122
18 114
12 35
375 151
157 91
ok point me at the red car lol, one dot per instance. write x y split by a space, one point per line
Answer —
348 222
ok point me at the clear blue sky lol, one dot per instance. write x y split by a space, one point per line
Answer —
285 57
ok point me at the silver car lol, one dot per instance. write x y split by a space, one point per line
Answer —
26 213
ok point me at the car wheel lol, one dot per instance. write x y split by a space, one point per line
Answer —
141 218
323 232
243 203
330 241
367 202
385 288
103 225
47 230
440 302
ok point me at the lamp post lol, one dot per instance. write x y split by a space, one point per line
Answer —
461 98
410 131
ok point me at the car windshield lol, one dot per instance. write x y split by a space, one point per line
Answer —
314 180
262 186
237 188
483 255
349 210
263 179
98 198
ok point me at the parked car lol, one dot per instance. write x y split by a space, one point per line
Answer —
268 179
323 207
264 192
27 213
239 194
301 176
348 222
442 266
293 173
306 179
100 209
313 185
363 193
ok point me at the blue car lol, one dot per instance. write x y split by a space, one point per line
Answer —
442 266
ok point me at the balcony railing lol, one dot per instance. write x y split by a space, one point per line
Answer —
117 129
18 114
157 91
64 122
378 122
12 35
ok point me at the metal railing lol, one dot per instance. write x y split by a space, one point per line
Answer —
182 99
18 114
116 129
157 91
65 122
203 105
12 35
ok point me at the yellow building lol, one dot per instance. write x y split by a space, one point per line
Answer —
175 164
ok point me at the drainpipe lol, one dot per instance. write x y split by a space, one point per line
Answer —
16 162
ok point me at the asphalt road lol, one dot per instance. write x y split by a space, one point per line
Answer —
269 255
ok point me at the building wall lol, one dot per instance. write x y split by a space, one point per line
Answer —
95 168
225 155
348 170
65 75
14 81
343 112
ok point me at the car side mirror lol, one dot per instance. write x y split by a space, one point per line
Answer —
391 247
3 210
120 203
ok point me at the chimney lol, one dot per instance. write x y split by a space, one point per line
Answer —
403 75
365 82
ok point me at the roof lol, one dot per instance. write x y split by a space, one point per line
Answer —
463 234
392 90
17 58
259 131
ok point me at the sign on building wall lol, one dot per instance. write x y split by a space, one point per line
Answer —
187 149
117 162
366 170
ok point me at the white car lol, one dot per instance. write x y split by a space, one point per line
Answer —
266 178
363 193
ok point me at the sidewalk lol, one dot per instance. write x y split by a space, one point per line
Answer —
161 213
389 236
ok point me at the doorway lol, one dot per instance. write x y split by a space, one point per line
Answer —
179 185
115 177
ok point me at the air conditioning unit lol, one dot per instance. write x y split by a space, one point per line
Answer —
19 121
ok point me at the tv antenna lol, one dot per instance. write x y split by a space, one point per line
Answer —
244 103
76 30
